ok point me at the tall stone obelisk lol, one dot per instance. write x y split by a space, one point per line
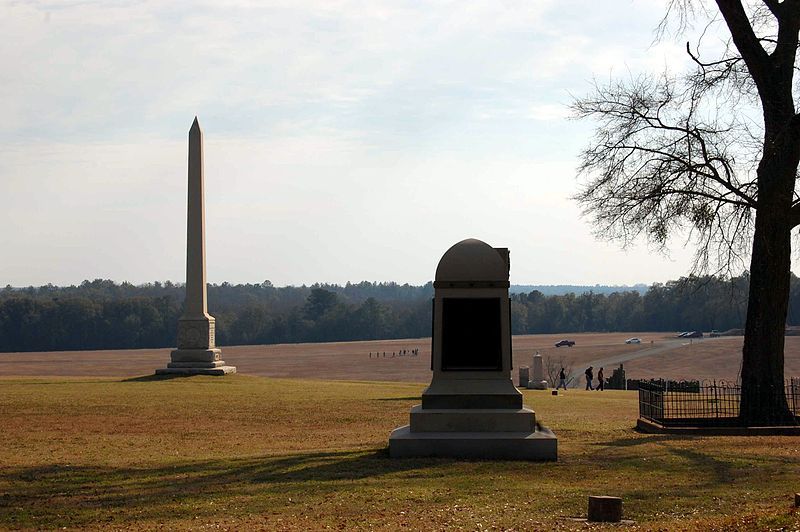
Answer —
196 353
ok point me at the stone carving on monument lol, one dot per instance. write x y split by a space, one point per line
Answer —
471 409
197 353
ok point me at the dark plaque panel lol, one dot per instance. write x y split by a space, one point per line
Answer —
471 339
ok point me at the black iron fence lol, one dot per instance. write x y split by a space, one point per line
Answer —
710 403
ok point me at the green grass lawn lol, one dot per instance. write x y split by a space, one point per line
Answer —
245 452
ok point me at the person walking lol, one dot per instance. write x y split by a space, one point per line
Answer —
562 379
589 376
600 379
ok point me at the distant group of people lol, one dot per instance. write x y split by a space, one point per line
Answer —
589 374
401 353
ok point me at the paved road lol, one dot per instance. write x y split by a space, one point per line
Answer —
666 345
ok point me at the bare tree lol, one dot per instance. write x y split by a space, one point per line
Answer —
553 368
715 150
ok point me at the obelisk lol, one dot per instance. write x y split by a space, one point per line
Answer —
196 353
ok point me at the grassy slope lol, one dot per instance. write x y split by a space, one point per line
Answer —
249 452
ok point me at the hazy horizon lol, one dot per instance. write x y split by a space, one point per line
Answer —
343 141
514 287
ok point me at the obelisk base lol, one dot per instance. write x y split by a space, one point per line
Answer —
196 362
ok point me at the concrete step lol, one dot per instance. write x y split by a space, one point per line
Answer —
537 445
472 419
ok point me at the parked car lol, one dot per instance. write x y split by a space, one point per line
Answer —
694 334
714 334
633 341
568 343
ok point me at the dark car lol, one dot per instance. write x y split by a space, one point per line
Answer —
694 334
568 343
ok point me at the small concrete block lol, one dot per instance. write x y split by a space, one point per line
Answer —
605 509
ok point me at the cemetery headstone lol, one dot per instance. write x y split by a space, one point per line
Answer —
524 376
617 380
537 380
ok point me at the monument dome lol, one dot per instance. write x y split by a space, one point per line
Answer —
472 260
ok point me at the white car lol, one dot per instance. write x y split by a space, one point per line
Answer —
633 341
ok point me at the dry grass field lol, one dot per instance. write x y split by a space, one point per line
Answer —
298 441
717 358
244 452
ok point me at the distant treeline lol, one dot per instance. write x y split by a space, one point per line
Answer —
101 314
561 289
690 303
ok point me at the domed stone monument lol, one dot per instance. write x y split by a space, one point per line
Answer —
472 408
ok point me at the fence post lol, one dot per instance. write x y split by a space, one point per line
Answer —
716 401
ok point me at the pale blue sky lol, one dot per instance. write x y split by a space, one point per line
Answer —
345 141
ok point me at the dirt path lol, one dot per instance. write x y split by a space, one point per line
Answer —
668 357
656 349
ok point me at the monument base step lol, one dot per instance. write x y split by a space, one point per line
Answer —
195 355
220 370
537 445
537 385
471 393
215 364
472 420
472 400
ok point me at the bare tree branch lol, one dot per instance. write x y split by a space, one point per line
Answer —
714 151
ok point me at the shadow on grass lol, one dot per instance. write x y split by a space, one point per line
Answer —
708 466
417 398
53 491
642 440
720 470
156 378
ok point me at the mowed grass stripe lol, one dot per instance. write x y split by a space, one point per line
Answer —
251 452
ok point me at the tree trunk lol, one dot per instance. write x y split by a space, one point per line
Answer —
763 399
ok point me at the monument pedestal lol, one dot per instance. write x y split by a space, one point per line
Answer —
534 445
196 353
461 428
465 392
196 362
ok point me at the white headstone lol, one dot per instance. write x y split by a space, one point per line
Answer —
537 380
